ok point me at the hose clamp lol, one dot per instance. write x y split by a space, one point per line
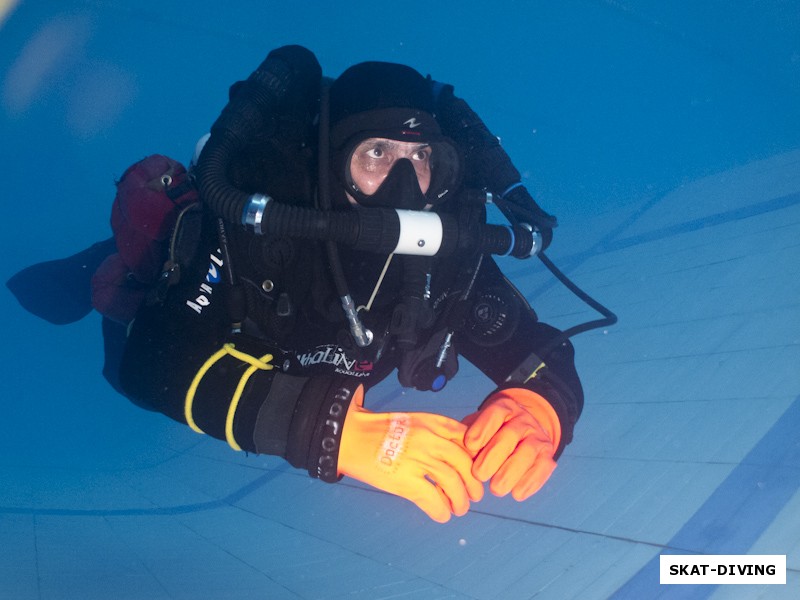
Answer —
536 239
254 212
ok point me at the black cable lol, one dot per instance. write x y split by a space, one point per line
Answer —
511 211
609 317
235 299
323 154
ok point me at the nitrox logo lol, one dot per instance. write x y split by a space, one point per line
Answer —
212 277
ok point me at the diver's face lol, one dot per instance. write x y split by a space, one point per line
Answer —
373 159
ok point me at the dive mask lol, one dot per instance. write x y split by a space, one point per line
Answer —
401 187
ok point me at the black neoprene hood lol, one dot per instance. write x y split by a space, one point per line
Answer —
383 98
393 101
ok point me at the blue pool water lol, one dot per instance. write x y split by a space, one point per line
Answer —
665 136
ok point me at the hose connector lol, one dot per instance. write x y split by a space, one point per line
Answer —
361 334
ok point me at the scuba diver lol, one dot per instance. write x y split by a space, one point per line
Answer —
340 236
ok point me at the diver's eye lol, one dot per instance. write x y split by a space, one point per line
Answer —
376 152
422 154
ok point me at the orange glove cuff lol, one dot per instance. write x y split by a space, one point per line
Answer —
540 408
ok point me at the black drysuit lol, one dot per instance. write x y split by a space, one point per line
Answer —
281 404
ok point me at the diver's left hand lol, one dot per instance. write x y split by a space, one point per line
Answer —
513 439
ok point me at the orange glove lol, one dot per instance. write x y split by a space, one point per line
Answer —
417 456
514 437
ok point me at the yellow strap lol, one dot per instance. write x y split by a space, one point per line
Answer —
187 407
255 364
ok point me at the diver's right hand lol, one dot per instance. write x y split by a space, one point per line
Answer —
417 456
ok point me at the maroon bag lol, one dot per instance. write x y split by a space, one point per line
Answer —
150 196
